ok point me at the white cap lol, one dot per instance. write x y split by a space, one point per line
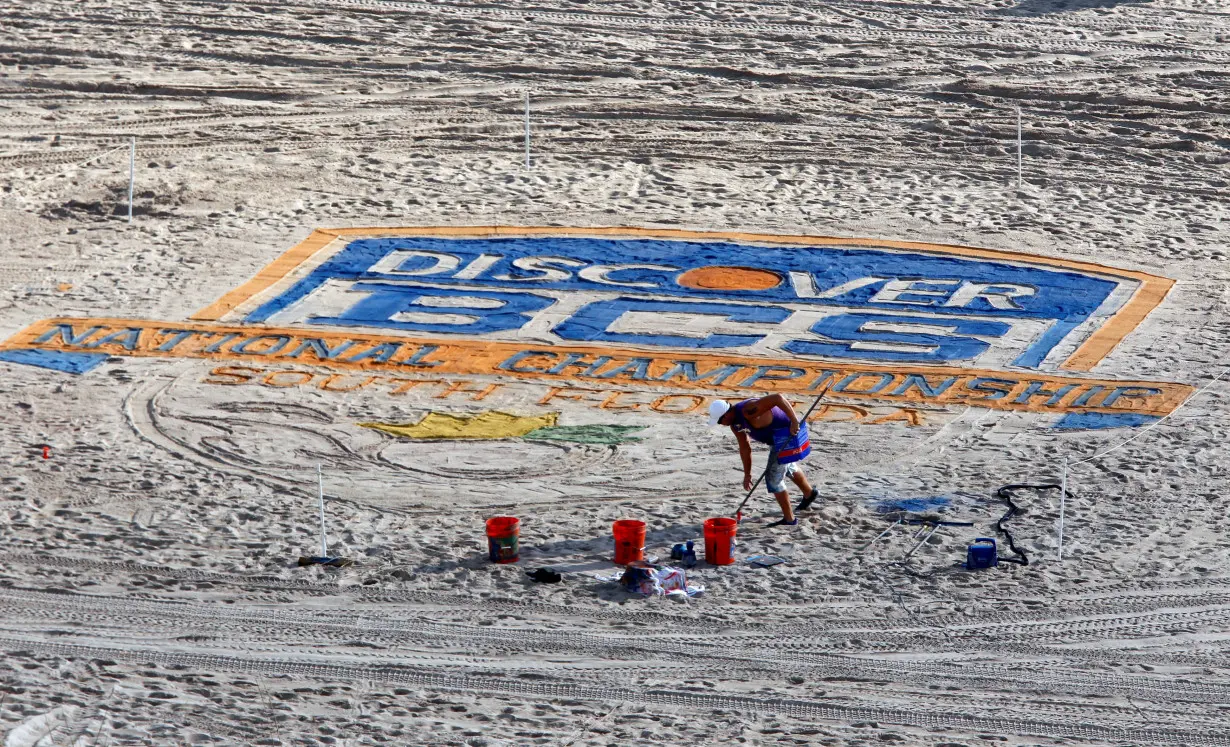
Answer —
717 409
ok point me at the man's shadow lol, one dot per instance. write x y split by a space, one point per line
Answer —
1048 7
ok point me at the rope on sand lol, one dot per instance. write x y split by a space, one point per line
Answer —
64 168
1158 422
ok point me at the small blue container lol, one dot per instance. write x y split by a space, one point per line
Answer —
981 554
686 553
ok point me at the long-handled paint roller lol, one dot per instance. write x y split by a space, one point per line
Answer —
802 420
324 558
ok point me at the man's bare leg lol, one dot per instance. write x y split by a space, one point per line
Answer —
800 479
809 494
783 500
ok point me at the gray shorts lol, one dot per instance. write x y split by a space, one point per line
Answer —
776 474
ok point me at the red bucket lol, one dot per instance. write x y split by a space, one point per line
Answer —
720 541
629 540
502 535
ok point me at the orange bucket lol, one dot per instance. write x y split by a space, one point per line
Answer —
629 540
720 541
502 535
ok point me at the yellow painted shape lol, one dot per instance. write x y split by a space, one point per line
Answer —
488 425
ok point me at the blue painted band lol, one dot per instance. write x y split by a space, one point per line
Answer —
73 363
1100 420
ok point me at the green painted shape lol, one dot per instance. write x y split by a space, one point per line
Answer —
586 434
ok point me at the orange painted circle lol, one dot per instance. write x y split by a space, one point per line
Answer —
729 278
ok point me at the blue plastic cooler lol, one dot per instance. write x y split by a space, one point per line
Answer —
981 554
792 448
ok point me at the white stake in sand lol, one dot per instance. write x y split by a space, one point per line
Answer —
1063 499
1018 148
527 129
132 174
320 478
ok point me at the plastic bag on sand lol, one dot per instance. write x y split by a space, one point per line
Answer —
656 581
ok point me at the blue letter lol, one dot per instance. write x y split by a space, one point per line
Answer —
320 349
68 335
850 329
513 363
1131 392
592 321
384 302
718 374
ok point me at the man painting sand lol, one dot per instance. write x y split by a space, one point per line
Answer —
764 418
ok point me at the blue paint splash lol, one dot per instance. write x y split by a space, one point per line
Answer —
912 505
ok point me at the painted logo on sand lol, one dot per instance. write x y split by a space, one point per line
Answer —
834 299
897 322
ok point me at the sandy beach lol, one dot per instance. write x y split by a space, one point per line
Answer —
339 259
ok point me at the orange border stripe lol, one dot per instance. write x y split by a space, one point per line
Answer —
267 277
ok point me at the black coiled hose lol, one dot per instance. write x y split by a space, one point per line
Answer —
1005 495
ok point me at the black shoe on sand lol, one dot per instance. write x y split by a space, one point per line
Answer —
810 499
783 523
544 575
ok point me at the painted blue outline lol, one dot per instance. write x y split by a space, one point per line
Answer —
1042 347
